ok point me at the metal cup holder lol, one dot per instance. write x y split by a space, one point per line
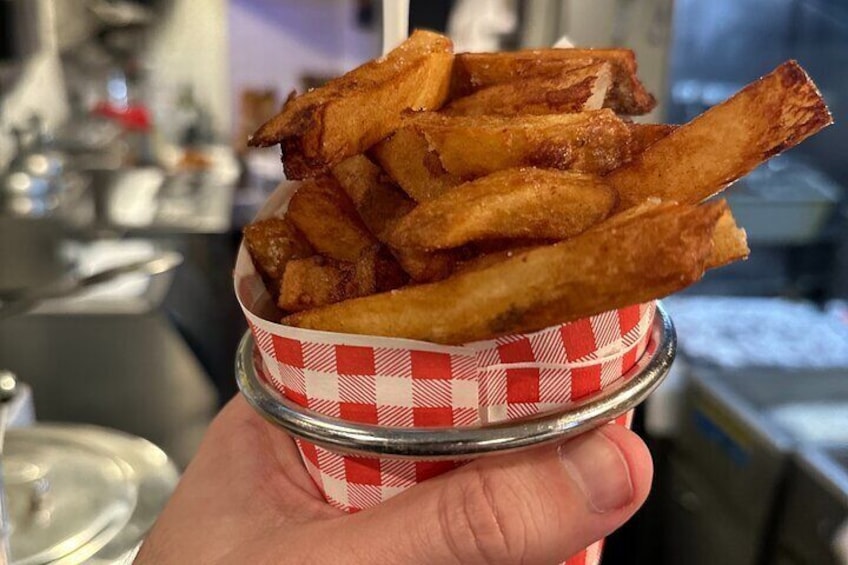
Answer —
465 442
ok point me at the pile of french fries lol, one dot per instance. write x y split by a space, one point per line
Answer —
457 197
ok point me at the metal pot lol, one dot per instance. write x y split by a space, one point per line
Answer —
81 494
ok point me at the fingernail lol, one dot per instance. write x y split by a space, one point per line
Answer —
600 470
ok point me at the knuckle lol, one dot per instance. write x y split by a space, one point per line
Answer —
473 520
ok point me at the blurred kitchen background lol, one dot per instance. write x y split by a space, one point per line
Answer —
122 139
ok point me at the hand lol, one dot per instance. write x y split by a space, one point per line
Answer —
246 498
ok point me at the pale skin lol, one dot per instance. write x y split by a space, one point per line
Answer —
246 498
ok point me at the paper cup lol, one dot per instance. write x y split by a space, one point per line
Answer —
406 383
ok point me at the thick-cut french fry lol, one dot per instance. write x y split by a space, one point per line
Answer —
528 202
471 147
325 215
407 158
650 207
381 205
643 136
486 260
575 91
729 242
318 281
489 246
431 153
425 266
727 141
388 274
349 114
591 273
272 243
473 71
514 203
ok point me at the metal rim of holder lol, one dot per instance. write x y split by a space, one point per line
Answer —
368 440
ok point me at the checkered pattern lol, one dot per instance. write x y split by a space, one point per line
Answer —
411 384
395 382
521 375
375 385
589 556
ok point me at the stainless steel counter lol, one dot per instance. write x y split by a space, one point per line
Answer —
740 430
812 525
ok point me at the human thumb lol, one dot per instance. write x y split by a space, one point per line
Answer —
538 506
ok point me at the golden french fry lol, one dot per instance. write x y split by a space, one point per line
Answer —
328 220
514 203
425 266
574 91
318 281
729 242
599 270
529 150
471 147
486 260
489 246
652 206
727 141
407 158
381 205
643 136
351 113
627 95
388 274
272 243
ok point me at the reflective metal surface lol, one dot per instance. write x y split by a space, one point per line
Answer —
82 493
13 304
63 496
457 443
8 389
114 357
8 386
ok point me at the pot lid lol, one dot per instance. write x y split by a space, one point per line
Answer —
81 493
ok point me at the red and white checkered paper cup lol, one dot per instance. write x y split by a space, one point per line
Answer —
407 383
